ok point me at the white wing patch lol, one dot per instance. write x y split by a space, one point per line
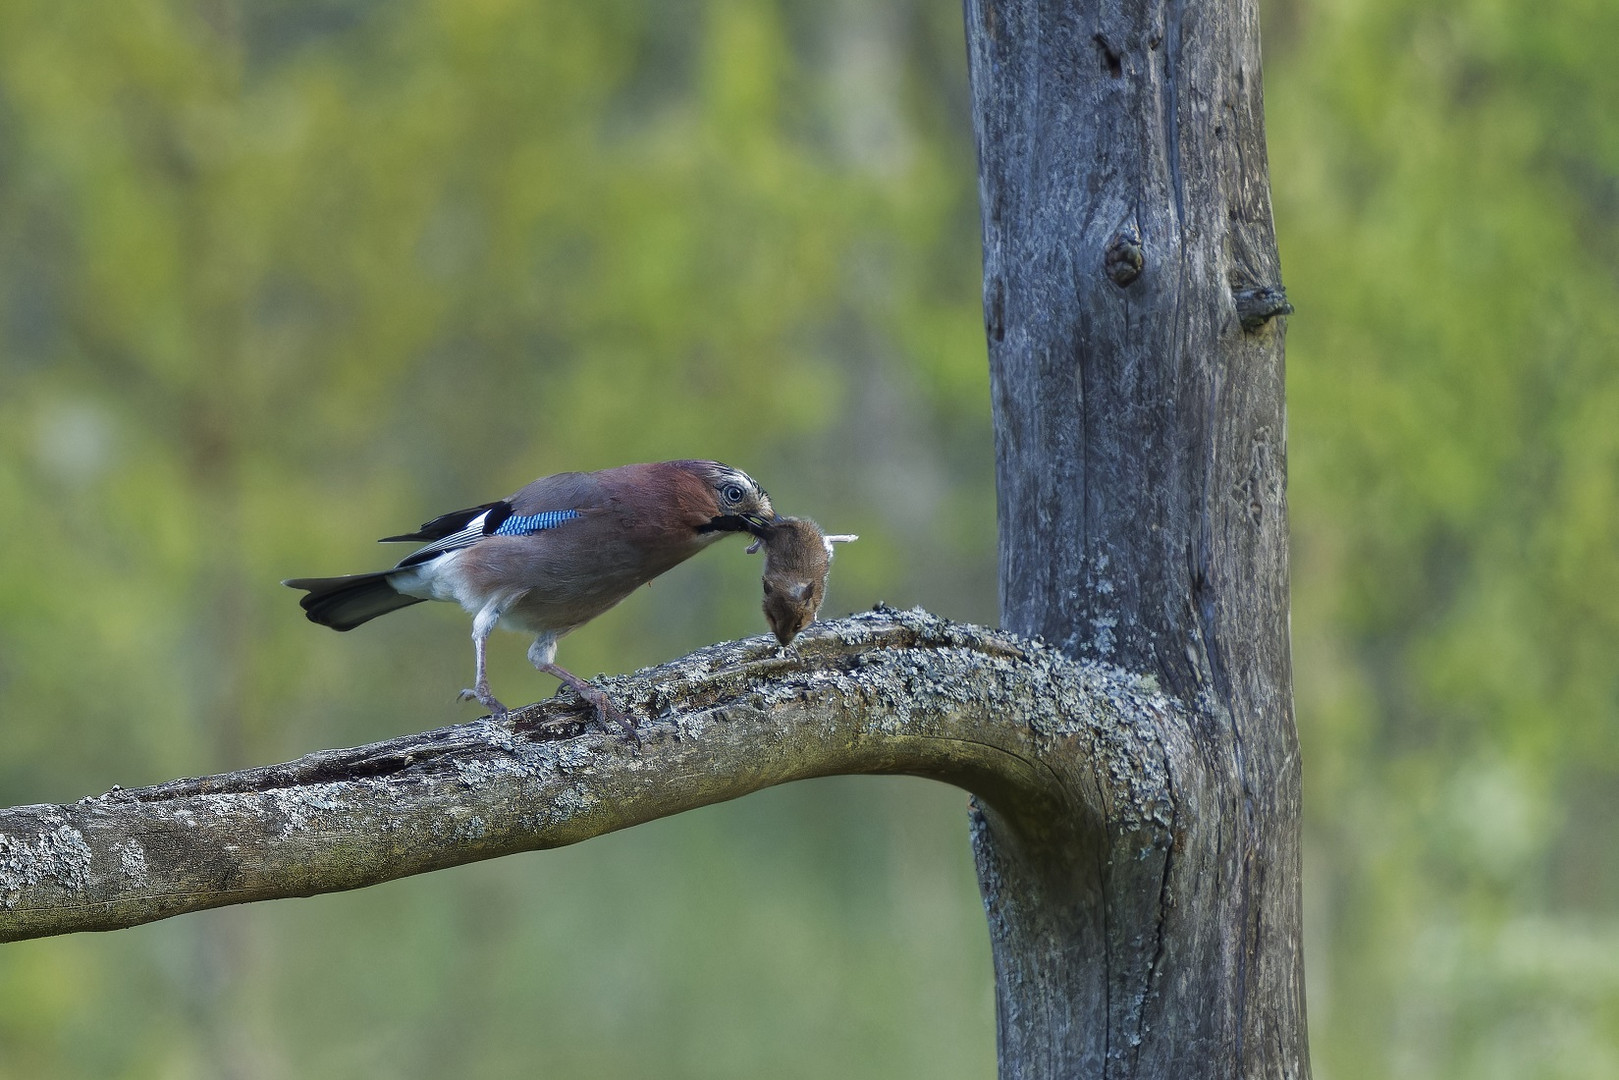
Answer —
470 534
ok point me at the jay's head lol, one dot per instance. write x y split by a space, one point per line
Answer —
739 503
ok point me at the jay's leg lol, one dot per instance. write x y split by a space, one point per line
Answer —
482 624
542 653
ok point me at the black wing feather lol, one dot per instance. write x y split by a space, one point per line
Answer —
453 522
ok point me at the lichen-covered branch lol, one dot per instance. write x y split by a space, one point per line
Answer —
881 692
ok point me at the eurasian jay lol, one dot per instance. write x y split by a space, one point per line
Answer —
552 557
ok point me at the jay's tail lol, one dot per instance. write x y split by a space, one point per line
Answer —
345 602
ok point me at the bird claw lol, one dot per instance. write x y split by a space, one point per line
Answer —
606 710
488 701
602 704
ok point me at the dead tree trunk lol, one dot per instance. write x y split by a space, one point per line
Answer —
1136 779
1130 283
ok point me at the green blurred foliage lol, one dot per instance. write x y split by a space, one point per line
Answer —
282 277
1446 177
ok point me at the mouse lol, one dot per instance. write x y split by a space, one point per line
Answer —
798 558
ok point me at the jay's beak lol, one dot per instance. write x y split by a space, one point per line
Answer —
756 524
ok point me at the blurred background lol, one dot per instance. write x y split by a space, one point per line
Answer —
279 278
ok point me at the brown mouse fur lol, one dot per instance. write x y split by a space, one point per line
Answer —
798 558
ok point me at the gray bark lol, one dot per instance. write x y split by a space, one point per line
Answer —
1130 294
884 692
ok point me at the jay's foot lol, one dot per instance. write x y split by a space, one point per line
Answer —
487 700
605 709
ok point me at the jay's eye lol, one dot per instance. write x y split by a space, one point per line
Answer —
732 492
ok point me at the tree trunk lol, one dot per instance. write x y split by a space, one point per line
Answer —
1130 280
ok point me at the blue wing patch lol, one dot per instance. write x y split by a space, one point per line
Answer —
528 524
476 528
